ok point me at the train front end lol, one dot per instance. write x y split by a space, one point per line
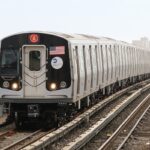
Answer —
35 75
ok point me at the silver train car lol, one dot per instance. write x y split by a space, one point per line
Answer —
46 76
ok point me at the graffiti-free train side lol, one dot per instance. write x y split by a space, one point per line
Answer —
45 77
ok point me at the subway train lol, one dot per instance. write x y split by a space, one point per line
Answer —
48 77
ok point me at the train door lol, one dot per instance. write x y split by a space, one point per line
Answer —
34 70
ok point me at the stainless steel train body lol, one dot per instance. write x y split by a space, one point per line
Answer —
42 70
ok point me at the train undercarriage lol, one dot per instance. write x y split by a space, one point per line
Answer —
57 114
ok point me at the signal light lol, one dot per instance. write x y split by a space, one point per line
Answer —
63 84
34 38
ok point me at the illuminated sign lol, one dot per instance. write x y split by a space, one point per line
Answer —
34 38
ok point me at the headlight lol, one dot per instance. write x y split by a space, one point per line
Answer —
14 86
53 86
6 84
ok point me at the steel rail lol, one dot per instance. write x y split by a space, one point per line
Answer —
5 133
21 140
85 137
36 139
131 131
59 133
112 138
22 143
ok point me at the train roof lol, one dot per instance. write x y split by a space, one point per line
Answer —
68 36
80 37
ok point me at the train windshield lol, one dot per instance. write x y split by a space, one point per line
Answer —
9 62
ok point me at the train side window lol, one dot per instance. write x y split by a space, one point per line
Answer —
34 60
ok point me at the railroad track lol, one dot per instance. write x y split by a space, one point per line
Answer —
49 139
27 140
139 135
98 126
6 133
117 140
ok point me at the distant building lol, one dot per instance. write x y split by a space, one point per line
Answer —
143 43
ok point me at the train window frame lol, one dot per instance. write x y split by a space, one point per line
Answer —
6 52
36 65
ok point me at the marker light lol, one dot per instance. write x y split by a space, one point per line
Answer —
53 86
34 38
63 84
14 86
6 84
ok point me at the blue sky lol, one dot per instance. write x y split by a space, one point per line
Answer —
119 19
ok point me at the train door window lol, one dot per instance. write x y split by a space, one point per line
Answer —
34 60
